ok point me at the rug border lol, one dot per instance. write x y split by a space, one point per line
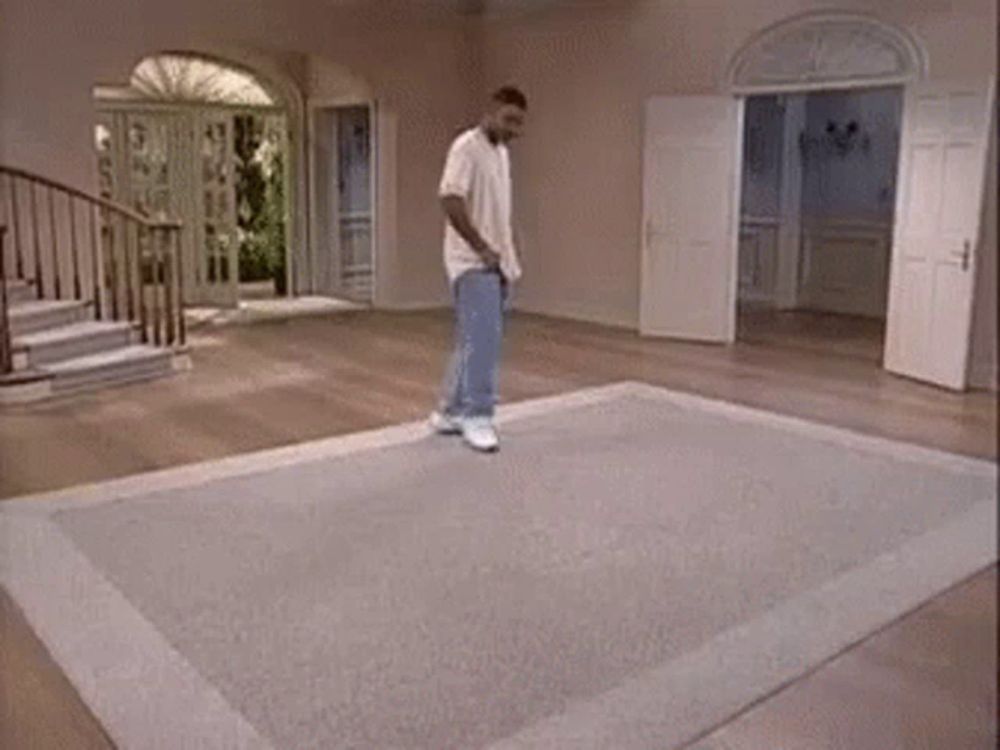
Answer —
144 692
42 560
688 698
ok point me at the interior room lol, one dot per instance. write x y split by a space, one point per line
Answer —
290 457
819 174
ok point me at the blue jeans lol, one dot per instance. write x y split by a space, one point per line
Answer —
471 382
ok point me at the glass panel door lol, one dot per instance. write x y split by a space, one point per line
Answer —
214 222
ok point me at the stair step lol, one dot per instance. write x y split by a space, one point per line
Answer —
73 341
20 291
126 364
41 315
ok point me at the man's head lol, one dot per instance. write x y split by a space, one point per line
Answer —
504 120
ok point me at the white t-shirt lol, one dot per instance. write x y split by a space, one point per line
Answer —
479 172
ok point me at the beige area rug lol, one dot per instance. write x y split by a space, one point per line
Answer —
635 567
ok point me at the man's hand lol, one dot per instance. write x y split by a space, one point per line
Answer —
457 213
491 258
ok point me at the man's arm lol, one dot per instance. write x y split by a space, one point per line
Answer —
458 216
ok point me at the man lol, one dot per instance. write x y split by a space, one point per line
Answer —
481 263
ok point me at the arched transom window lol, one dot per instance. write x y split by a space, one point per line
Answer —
185 78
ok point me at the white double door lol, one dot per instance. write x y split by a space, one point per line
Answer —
178 163
942 170
692 168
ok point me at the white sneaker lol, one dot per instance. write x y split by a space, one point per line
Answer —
445 424
480 434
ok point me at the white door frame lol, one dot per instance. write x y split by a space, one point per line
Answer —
313 106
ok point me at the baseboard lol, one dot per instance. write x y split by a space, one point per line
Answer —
984 376
412 306
577 315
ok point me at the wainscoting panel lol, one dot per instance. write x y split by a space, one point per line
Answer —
758 259
845 267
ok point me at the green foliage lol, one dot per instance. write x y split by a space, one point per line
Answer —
260 200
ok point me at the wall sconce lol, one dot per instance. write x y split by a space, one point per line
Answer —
838 139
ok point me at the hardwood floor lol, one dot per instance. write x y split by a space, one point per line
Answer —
261 386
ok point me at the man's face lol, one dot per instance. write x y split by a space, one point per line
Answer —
508 122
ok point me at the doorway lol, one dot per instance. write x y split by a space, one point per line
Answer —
197 141
819 174
693 152
343 217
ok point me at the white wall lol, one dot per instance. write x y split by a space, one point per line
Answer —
52 52
588 69
858 186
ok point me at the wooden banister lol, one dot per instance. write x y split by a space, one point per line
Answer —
89 249
96 200
6 349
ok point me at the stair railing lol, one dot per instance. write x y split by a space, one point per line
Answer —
6 353
73 246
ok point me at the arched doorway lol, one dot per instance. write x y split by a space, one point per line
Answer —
931 234
823 96
207 143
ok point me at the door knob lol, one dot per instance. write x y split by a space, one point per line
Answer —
966 254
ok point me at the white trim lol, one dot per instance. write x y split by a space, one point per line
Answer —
373 183
901 41
735 203
111 648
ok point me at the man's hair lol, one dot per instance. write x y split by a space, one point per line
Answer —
511 95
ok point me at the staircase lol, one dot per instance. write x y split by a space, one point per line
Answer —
91 315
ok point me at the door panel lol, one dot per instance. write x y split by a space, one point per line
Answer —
942 171
690 212
216 247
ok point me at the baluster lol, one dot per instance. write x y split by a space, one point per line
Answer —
142 232
54 238
113 237
96 266
15 220
160 282
129 282
77 286
168 288
39 286
178 250
6 356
